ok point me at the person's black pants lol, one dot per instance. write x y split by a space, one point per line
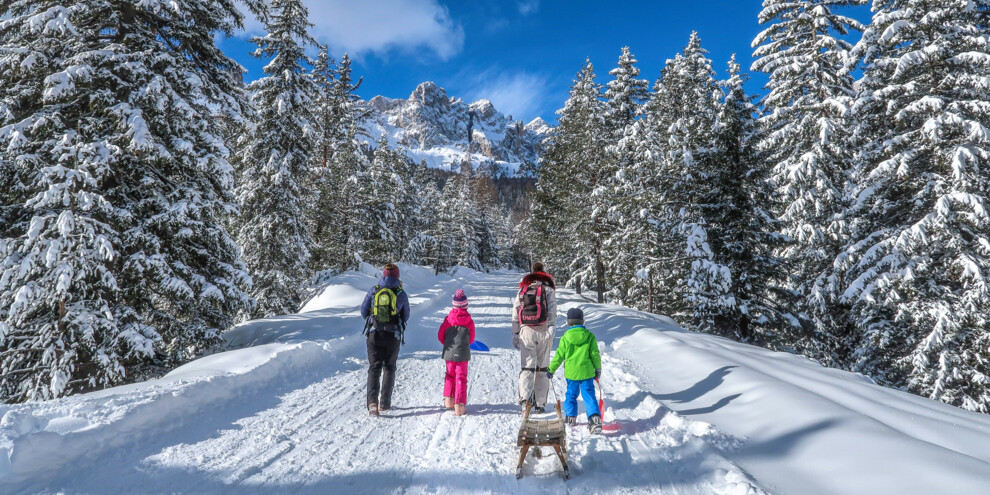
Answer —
383 352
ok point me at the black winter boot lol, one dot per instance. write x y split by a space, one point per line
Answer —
595 424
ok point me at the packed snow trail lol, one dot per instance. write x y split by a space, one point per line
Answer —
302 427
282 411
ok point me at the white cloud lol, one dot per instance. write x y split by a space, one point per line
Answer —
381 26
520 94
527 7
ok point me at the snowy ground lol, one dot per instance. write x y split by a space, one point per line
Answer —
283 411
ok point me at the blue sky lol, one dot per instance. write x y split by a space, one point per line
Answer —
521 54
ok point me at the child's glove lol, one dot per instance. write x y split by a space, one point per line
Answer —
516 341
598 374
550 375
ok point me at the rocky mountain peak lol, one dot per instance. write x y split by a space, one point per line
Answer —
539 126
429 94
432 126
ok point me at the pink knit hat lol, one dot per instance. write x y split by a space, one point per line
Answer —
460 299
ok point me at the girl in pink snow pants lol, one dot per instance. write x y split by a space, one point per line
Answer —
456 334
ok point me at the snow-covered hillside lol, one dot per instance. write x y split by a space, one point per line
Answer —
431 126
282 411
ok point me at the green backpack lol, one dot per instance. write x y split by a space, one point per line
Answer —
384 309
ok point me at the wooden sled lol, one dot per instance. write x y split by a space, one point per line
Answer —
543 433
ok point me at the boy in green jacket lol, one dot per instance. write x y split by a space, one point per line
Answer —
579 349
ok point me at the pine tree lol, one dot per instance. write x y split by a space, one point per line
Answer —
687 94
336 231
625 94
408 206
803 51
457 239
274 164
568 226
379 226
636 246
624 99
111 122
425 248
742 230
485 197
917 271
327 129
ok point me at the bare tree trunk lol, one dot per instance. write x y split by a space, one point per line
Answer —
600 275
651 293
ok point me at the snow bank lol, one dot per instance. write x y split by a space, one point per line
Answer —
263 357
334 312
808 429
38 439
342 291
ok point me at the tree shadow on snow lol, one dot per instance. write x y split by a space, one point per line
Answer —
724 401
707 384
782 445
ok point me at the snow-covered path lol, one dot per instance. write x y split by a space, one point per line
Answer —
283 411
305 429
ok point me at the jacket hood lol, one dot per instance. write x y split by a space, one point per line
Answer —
546 278
578 334
389 282
459 316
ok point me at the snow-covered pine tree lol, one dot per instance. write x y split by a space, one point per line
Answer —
274 164
803 50
56 257
568 230
625 95
635 254
516 252
378 223
409 206
338 243
326 127
111 117
484 195
509 249
691 101
424 248
919 269
327 130
458 241
743 232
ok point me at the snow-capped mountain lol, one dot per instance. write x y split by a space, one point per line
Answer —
432 126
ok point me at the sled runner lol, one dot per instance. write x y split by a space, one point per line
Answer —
536 433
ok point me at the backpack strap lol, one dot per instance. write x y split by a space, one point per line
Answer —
539 300
402 325
367 322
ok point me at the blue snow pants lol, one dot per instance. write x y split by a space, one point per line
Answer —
587 389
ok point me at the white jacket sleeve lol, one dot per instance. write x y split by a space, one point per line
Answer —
515 315
551 307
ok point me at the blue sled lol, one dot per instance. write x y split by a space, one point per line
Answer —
478 345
